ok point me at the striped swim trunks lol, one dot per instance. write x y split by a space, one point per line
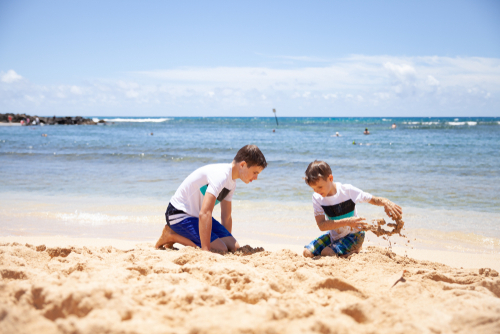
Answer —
340 247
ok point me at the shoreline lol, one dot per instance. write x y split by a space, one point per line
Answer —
10 124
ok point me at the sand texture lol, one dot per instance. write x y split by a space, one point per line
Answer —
107 290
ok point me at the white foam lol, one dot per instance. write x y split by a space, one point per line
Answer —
138 120
95 119
471 123
97 219
429 123
387 120
456 123
456 119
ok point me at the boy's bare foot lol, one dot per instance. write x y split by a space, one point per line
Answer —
166 239
307 253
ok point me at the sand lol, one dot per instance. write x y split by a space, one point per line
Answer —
132 288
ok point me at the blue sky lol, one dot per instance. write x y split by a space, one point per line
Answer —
234 58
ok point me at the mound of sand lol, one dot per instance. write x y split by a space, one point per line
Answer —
106 290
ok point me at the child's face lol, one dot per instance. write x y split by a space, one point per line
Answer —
247 174
324 187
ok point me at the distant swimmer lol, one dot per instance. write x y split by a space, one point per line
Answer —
337 134
393 125
274 130
151 133
44 135
366 132
354 142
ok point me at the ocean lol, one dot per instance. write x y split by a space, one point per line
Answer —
115 180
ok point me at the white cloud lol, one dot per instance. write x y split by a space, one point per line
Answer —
76 90
431 81
356 85
402 71
132 94
10 76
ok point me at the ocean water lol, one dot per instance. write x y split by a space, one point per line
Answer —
115 180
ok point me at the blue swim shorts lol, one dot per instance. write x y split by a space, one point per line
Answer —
341 246
189 228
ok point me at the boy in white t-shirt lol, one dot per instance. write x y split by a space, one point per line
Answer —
335 211
189 213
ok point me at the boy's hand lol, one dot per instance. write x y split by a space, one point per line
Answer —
356 222
392 210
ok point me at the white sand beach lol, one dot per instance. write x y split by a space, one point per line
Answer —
77 285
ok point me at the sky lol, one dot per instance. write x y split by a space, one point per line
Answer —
234 58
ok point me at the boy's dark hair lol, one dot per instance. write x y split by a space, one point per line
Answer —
251 155
317 170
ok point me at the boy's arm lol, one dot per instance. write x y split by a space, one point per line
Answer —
392 210
225 215
326 225
205 220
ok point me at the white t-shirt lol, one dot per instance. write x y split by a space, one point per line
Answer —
215 179
341 205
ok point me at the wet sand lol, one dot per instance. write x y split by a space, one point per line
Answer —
71 285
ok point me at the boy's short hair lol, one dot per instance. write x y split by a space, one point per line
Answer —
251 155
317 170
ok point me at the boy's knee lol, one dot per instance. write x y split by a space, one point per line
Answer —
231 244
218 246
236 247
327 252
307 253
357 248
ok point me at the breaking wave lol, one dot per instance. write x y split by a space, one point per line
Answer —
137 120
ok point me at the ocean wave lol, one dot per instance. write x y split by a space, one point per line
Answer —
97 219
462 123
137 120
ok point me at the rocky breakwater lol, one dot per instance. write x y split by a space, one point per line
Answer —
36 120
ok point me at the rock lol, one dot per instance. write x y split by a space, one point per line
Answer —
78 120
